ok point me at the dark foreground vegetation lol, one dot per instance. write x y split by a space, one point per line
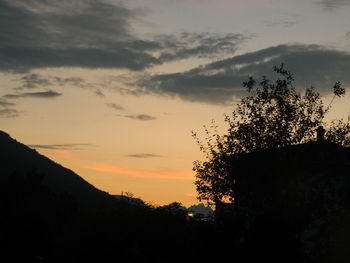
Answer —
37 225
298 214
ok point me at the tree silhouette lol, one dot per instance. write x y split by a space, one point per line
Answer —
273 115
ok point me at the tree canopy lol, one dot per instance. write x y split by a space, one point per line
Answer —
273 115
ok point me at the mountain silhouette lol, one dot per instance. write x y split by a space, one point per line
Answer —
201 209
18 159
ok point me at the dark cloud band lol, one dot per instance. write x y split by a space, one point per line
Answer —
221 81
91 34
44 95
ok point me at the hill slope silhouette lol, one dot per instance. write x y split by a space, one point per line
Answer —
18 159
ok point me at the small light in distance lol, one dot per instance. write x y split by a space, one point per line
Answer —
190 214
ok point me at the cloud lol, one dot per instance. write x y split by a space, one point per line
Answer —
280 23
71 146
91 34
43 95
347 35
140 117
24 59
201 45
221 81
141 173
6 104
7 110
115 106
34 80
75 81
333 4
99 93
9 113
144 155
82 33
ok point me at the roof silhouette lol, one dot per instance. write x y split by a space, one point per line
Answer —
291 169
291 203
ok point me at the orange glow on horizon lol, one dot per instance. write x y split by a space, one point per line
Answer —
142 172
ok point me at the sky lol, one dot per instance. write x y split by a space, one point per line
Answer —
113 88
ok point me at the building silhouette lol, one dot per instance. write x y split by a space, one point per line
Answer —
292 203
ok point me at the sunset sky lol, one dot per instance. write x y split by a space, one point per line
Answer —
113 88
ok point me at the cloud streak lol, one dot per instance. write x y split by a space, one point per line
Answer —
139 117
9 113
281 23
33 80
6 104
71 146
42 95
141 173
201 45
144 155
347 35
333 4
7 110
114 106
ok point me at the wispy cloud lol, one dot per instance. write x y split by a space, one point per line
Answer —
141 173
43 94
6 103
33 80
333 4
347 35
30 81
144 155
114 106
7 110
202 45
73 81
280 23
140 117
9 113
71 146
99 93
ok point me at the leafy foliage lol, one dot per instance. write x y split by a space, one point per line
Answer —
273 115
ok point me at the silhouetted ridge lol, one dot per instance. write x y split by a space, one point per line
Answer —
17 158
4 134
